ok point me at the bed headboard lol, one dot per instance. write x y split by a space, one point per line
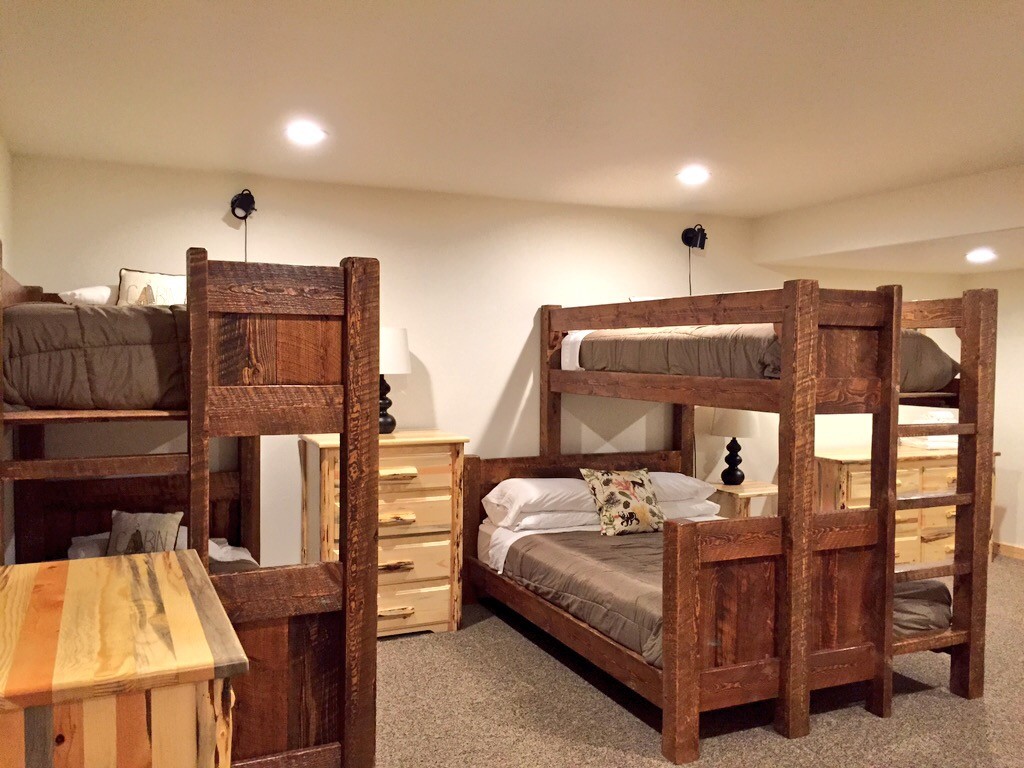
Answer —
12 291
481 475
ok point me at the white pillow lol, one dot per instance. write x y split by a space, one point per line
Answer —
94 295
515 498
543 521
675 486
149 288
679 510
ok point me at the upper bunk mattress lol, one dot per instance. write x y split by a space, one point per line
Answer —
95 358
729 351
614 584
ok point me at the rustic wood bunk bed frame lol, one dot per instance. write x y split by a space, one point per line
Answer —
774 608
280 349
56 499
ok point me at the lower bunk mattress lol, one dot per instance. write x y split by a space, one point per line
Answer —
95 357
730 351
614 583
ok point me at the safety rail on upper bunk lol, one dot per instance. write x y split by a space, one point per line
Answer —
846 323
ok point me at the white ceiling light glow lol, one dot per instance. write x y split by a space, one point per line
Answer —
981 256
305 133
693 175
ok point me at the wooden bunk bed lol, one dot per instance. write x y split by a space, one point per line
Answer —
281 349
56 499
810 593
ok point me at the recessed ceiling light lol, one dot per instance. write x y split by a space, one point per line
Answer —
305 133
981 256
694 175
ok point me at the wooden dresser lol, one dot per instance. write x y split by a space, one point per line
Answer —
922 535
420 517
115 661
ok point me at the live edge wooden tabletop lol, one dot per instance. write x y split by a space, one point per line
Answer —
82 629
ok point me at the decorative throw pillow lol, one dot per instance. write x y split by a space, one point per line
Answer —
144 288
136 532
625 501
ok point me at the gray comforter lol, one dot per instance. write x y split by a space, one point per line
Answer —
739 351
613 583
60 356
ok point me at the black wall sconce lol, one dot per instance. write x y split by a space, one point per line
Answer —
243 205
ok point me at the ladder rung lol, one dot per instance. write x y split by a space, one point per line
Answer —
930 641
920 572
931 430
925 500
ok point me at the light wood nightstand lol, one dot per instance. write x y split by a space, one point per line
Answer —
735 499
419 553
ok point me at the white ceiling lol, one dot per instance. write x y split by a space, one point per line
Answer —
584 101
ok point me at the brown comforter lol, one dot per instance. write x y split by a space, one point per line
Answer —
104 358
613 583
739 351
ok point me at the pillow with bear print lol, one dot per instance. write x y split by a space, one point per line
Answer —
625 501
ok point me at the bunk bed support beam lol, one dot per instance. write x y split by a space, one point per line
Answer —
550 400
974 476
884 427
796 503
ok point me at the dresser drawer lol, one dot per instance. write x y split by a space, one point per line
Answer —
938 519
938 479
402 515
404 559
937 547
907 522
908 550
413 469
405 607
859 485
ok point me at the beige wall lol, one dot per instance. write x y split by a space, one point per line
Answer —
466 275
6 193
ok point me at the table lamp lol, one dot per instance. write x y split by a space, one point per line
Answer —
394 359
733 424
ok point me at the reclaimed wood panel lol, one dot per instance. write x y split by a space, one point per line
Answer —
276 289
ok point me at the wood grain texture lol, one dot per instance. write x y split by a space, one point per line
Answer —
884 441
359 460
933 313
284 591
683 436
324 756
198 393
249 494
550 400
713 309
100 626
277 289
680 730
274 410
19 418
974 477
95 467
796 503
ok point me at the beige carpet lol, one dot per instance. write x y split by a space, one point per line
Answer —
500 693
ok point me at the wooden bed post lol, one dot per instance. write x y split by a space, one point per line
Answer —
198 425
682 436
470 525
3 427
974 476
359 478
796 503
680 731
884 429
249 493
550 402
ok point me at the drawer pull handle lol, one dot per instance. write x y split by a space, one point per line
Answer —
397 518
911 519
395 565
396 613
898 482
951 478
399 473
950 549
936 537
898 554
951 514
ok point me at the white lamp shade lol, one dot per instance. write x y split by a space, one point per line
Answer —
729 423
394 351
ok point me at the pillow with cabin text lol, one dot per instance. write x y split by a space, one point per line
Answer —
625 501
143 289
134 533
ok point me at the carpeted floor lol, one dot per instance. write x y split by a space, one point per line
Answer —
501 694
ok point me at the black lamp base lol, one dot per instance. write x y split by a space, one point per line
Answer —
386 421
732 474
